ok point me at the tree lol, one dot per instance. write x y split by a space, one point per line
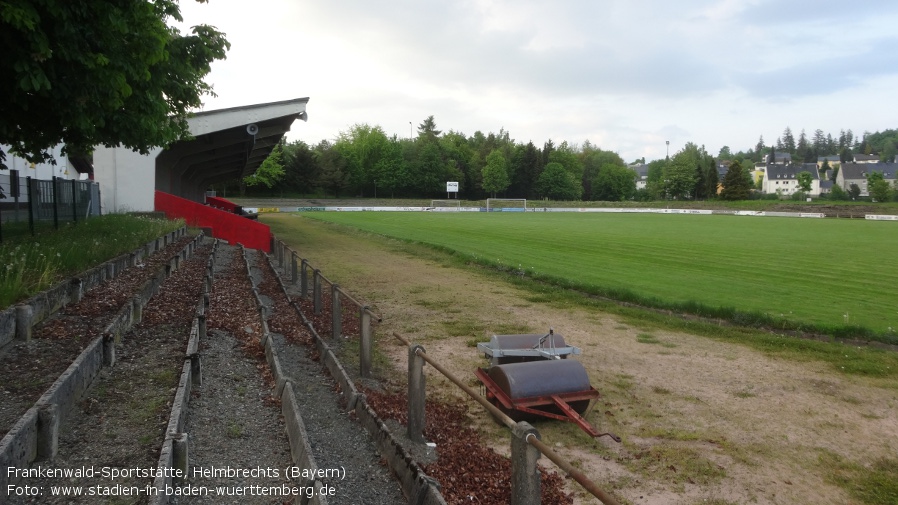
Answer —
529 166
593 159
428 129
854 191
495 173
788 141
333 175
99 72
824 168
557 183
759 149
566 155
889 151
805 180
681 174
735 185
614 183
837 193
803 150
270 172
880 190
711 180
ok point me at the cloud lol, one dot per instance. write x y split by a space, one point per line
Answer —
625 75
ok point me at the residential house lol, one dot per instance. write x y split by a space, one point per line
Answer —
642 174
866 158
833 160
778 158
783 179
856 173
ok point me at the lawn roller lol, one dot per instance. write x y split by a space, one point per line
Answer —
530 376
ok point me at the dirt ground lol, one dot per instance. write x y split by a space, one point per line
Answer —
702 421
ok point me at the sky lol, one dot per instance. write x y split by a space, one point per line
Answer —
628 76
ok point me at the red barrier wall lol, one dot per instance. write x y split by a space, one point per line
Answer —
221 203
225 225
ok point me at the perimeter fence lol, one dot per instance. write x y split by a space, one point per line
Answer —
28 205
526 443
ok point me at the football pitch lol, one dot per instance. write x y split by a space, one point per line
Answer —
834 275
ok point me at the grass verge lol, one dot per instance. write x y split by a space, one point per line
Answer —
32 264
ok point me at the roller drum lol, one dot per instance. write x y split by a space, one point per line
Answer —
542 378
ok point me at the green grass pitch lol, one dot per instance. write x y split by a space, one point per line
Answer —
827 273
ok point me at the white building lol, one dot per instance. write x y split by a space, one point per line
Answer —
227 144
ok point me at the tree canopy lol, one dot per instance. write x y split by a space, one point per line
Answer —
495 173
97 72
735 184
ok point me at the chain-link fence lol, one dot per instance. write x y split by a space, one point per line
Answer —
28 204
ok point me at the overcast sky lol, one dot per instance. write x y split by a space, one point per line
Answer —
625 75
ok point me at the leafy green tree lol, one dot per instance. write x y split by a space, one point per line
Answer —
614 183
824 168
724 154
363 147
428 170
528 163
711 180
557 183
495 173
879 189
459 154
735 185
270 172
680 175
854 191
566 155
805 179
300 168
654 183
333 176
389 171
593 160
889 151
99 72
837 193
846 155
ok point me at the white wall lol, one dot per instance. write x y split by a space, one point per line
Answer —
127 179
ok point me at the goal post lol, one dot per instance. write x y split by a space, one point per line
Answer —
506 204
451 205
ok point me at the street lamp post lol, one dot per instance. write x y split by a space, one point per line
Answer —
375 189
409 130
668 148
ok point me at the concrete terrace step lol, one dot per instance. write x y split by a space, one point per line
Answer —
319 410
115 427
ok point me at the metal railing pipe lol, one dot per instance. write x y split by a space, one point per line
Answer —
577 475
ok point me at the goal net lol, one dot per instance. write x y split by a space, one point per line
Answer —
506 204
445 204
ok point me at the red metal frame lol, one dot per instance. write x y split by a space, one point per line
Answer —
225 225
495 393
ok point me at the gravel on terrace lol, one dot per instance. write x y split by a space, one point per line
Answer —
27 369
234 421
336 440
468 471
120 423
